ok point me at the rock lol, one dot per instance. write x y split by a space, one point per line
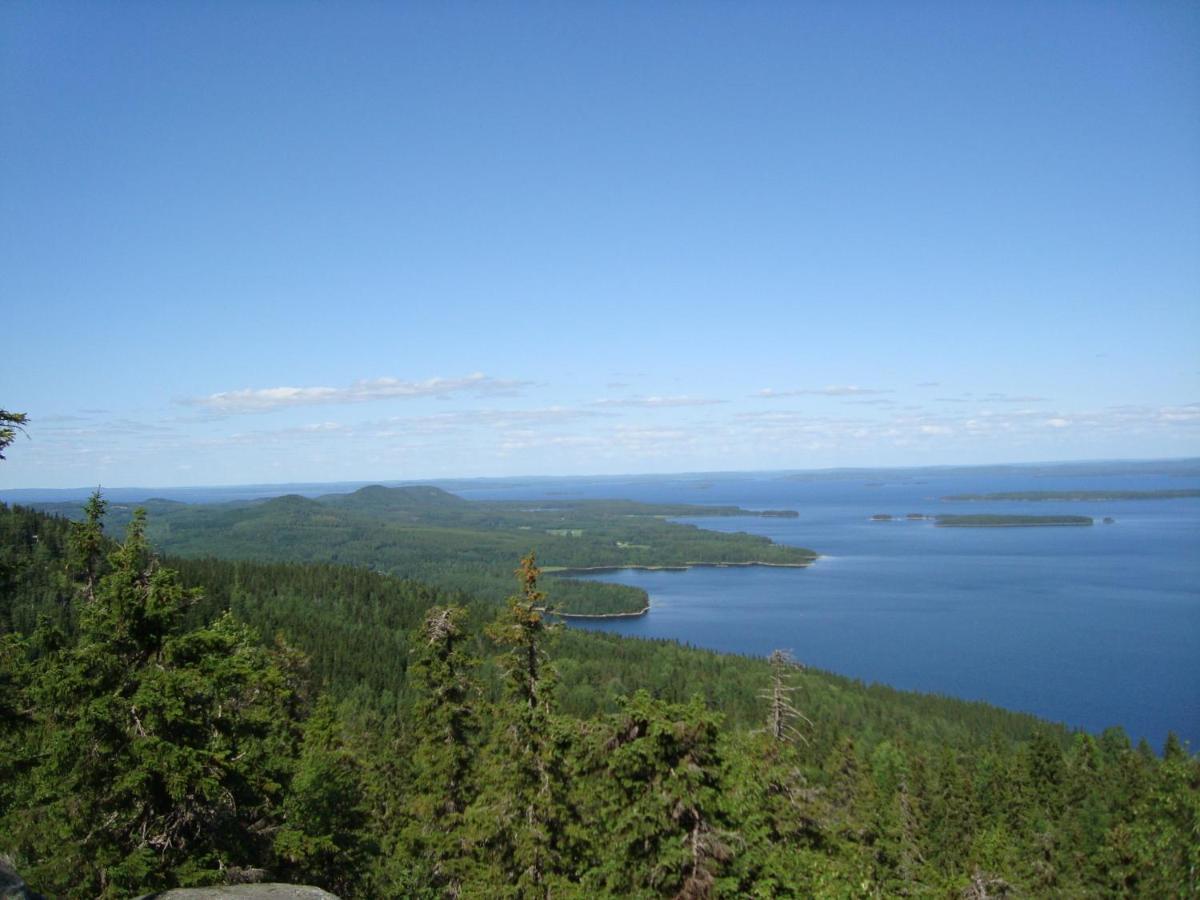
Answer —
250 891
11 885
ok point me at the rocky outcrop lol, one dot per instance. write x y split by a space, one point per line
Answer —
245 892
11 885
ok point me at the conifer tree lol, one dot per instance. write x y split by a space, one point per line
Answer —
10 424
163 751
445 720
87 544
668 829
527 802
781 712
322 839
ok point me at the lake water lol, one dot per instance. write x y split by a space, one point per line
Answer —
1092 626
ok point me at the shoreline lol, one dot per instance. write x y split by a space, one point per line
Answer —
682 567
549 570
617 615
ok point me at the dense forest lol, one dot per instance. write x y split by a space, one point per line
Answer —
423 532
989 520
198 721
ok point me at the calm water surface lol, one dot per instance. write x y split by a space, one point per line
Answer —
1090 626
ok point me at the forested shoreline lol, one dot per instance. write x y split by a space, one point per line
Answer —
419 531
197 721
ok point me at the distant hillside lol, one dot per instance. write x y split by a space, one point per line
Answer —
419 531
1079 495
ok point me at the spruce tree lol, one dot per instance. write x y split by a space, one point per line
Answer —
668 831
525 812
445 722
322 839
163 751
10 424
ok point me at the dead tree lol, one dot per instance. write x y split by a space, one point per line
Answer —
782 713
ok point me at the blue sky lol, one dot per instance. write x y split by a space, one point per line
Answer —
271 242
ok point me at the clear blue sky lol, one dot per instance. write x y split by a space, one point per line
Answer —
271 242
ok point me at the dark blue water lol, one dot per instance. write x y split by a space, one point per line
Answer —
1090 626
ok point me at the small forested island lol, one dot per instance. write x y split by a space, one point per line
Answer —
882 517
999 521
420 531
1166 494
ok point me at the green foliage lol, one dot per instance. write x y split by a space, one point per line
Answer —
10 424
658 774
429 534
446 721
156 752
522 818
154 731
323 836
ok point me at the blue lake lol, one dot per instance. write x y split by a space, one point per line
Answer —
1092 626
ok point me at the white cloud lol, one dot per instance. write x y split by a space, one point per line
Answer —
831 390
1013 398
656 402
251 400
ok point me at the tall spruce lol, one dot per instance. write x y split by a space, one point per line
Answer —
527 801
445 722
162 752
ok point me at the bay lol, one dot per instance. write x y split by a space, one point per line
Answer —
1092 626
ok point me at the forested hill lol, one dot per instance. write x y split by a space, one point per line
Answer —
427 533
383 738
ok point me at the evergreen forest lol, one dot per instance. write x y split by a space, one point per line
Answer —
420 531
192 721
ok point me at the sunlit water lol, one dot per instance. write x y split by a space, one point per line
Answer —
1092 626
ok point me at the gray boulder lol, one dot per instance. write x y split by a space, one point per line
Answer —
11 885
245 891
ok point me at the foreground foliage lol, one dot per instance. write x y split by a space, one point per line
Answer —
202 721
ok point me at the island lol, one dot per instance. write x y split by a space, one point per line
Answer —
995 521
1036 496
881 517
